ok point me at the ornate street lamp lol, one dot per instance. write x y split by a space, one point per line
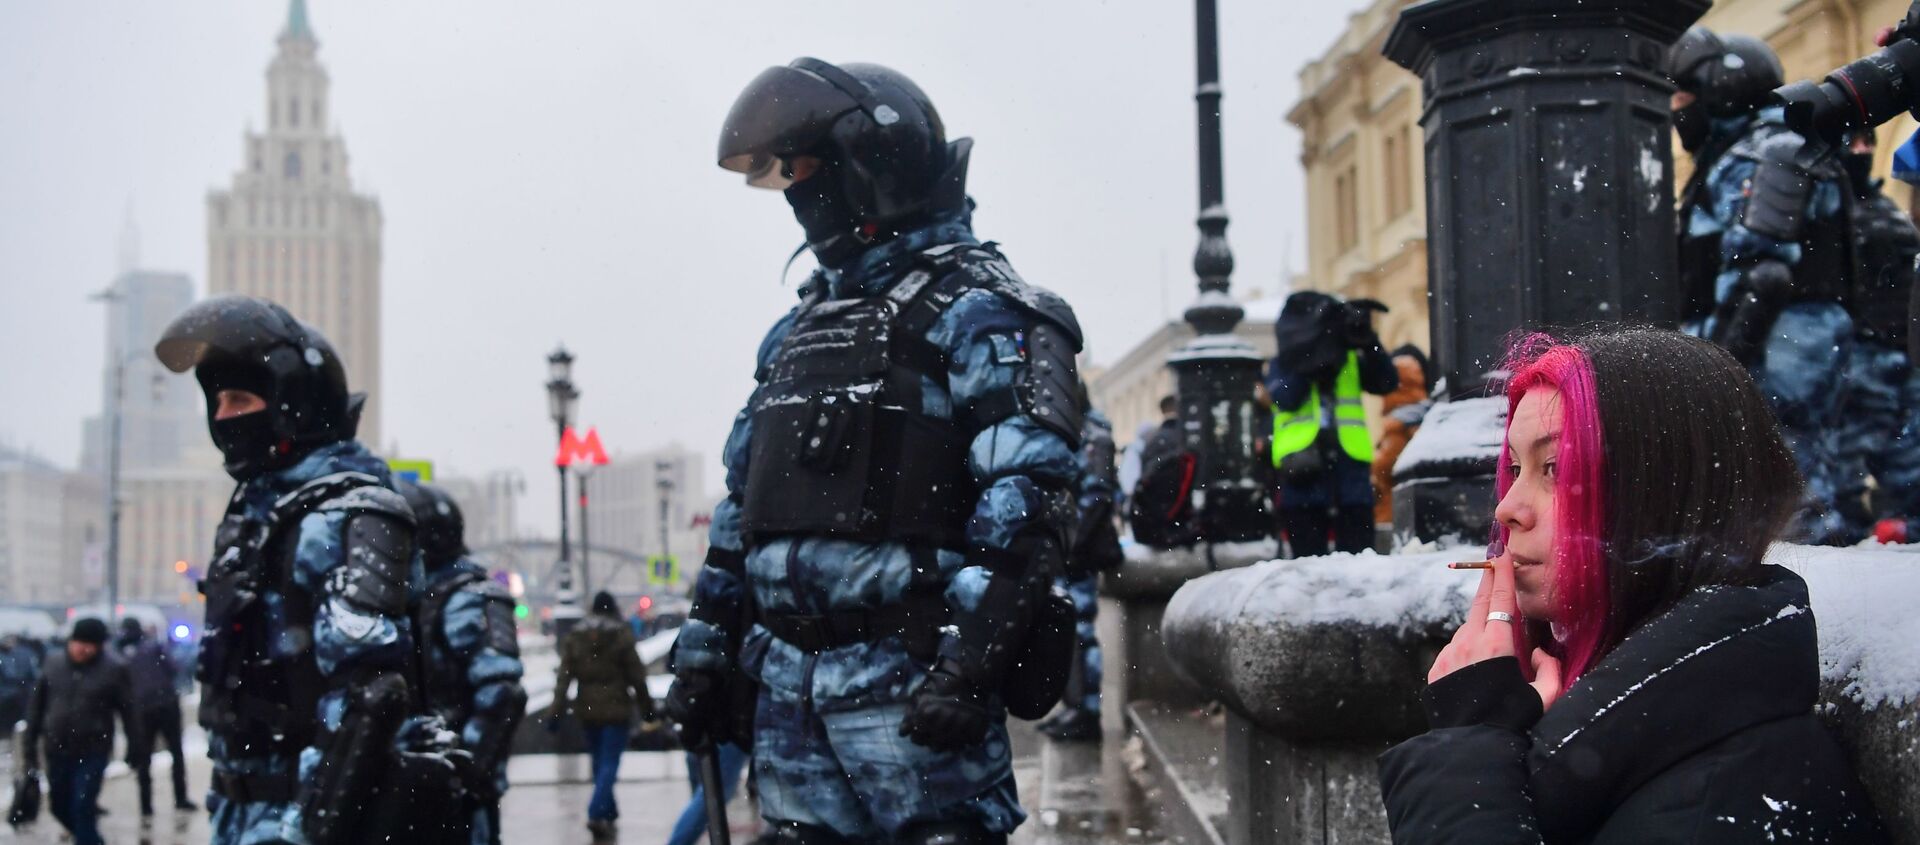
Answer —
1217 371
561 397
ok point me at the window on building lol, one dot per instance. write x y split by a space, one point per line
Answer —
1346 206
293 112
1398 160
292 167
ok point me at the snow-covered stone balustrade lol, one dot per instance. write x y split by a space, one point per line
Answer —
1319 663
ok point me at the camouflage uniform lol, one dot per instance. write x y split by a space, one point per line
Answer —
1811 342
472 668
346 638
1097 488
828 750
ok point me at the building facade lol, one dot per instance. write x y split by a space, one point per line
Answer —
291 228
626 499
490 504
1364 150
33 530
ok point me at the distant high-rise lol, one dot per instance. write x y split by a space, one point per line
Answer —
291 229
161 415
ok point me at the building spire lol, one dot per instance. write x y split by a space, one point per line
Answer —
297 25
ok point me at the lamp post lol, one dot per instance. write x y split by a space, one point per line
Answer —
1216 371
561 396
664 483
115 409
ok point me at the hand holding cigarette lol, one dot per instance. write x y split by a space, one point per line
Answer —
1492 629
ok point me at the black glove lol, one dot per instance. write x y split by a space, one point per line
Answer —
698 702
478 782
1744 321
947 712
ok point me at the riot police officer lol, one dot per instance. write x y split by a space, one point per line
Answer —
1878 420
469 651
1096 549
305 649
899 485
1764 250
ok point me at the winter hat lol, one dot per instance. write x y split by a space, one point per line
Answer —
603 603
89 630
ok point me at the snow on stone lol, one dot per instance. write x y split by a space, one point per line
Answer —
1464 429
1863 604
1395 591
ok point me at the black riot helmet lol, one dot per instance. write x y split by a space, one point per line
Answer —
439 529
234 342
885 160
1729 74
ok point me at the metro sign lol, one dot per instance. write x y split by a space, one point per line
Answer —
575 449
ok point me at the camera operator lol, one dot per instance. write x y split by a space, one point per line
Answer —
1764 250
1328 355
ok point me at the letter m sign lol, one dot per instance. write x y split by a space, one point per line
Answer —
575 449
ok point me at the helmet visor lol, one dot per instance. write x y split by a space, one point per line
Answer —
222 325
783 112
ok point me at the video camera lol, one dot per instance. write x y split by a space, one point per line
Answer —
1860 95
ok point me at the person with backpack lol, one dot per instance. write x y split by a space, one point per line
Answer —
602 655
469 652
1327 357
1160 506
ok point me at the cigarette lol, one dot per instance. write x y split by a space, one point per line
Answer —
1471 564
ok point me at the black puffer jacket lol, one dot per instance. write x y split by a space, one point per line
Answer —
1699 727
73 706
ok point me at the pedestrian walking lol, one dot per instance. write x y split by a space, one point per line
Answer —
692 823
1631 671
601 656
70 720
151 670
19 666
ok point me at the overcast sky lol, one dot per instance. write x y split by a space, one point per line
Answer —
546 172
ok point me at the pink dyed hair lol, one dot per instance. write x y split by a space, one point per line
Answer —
1580 589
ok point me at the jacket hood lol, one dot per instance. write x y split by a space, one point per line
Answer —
1722 660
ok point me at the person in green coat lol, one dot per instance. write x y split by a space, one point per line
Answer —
602 655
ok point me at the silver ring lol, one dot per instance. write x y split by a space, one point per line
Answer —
1499 616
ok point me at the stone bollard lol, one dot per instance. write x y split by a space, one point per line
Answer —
1320 663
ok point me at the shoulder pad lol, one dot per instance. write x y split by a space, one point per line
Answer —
986 268
370 499
1777 199
378 555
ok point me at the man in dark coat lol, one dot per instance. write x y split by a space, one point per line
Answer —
151 670
72 710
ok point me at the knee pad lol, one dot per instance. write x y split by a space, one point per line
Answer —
795 833
950 833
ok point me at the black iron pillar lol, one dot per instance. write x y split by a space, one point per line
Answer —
1216 371
1549 167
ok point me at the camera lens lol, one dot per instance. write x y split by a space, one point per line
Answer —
1861 95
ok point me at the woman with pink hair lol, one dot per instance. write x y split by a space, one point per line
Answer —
1631 671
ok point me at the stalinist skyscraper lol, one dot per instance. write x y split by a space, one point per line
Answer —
291 229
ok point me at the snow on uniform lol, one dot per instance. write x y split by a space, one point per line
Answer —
827 745
346 638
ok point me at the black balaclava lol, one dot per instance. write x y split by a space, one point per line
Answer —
1694 124
250 443
1859 167
820 204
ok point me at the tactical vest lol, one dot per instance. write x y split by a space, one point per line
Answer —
1296 430
1826 265
252 698
1884 248
842 445
1699 254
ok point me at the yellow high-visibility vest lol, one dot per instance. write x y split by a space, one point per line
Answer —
1296 430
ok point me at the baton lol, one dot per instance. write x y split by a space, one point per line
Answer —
716 797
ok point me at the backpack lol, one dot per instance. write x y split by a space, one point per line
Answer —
1161 507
